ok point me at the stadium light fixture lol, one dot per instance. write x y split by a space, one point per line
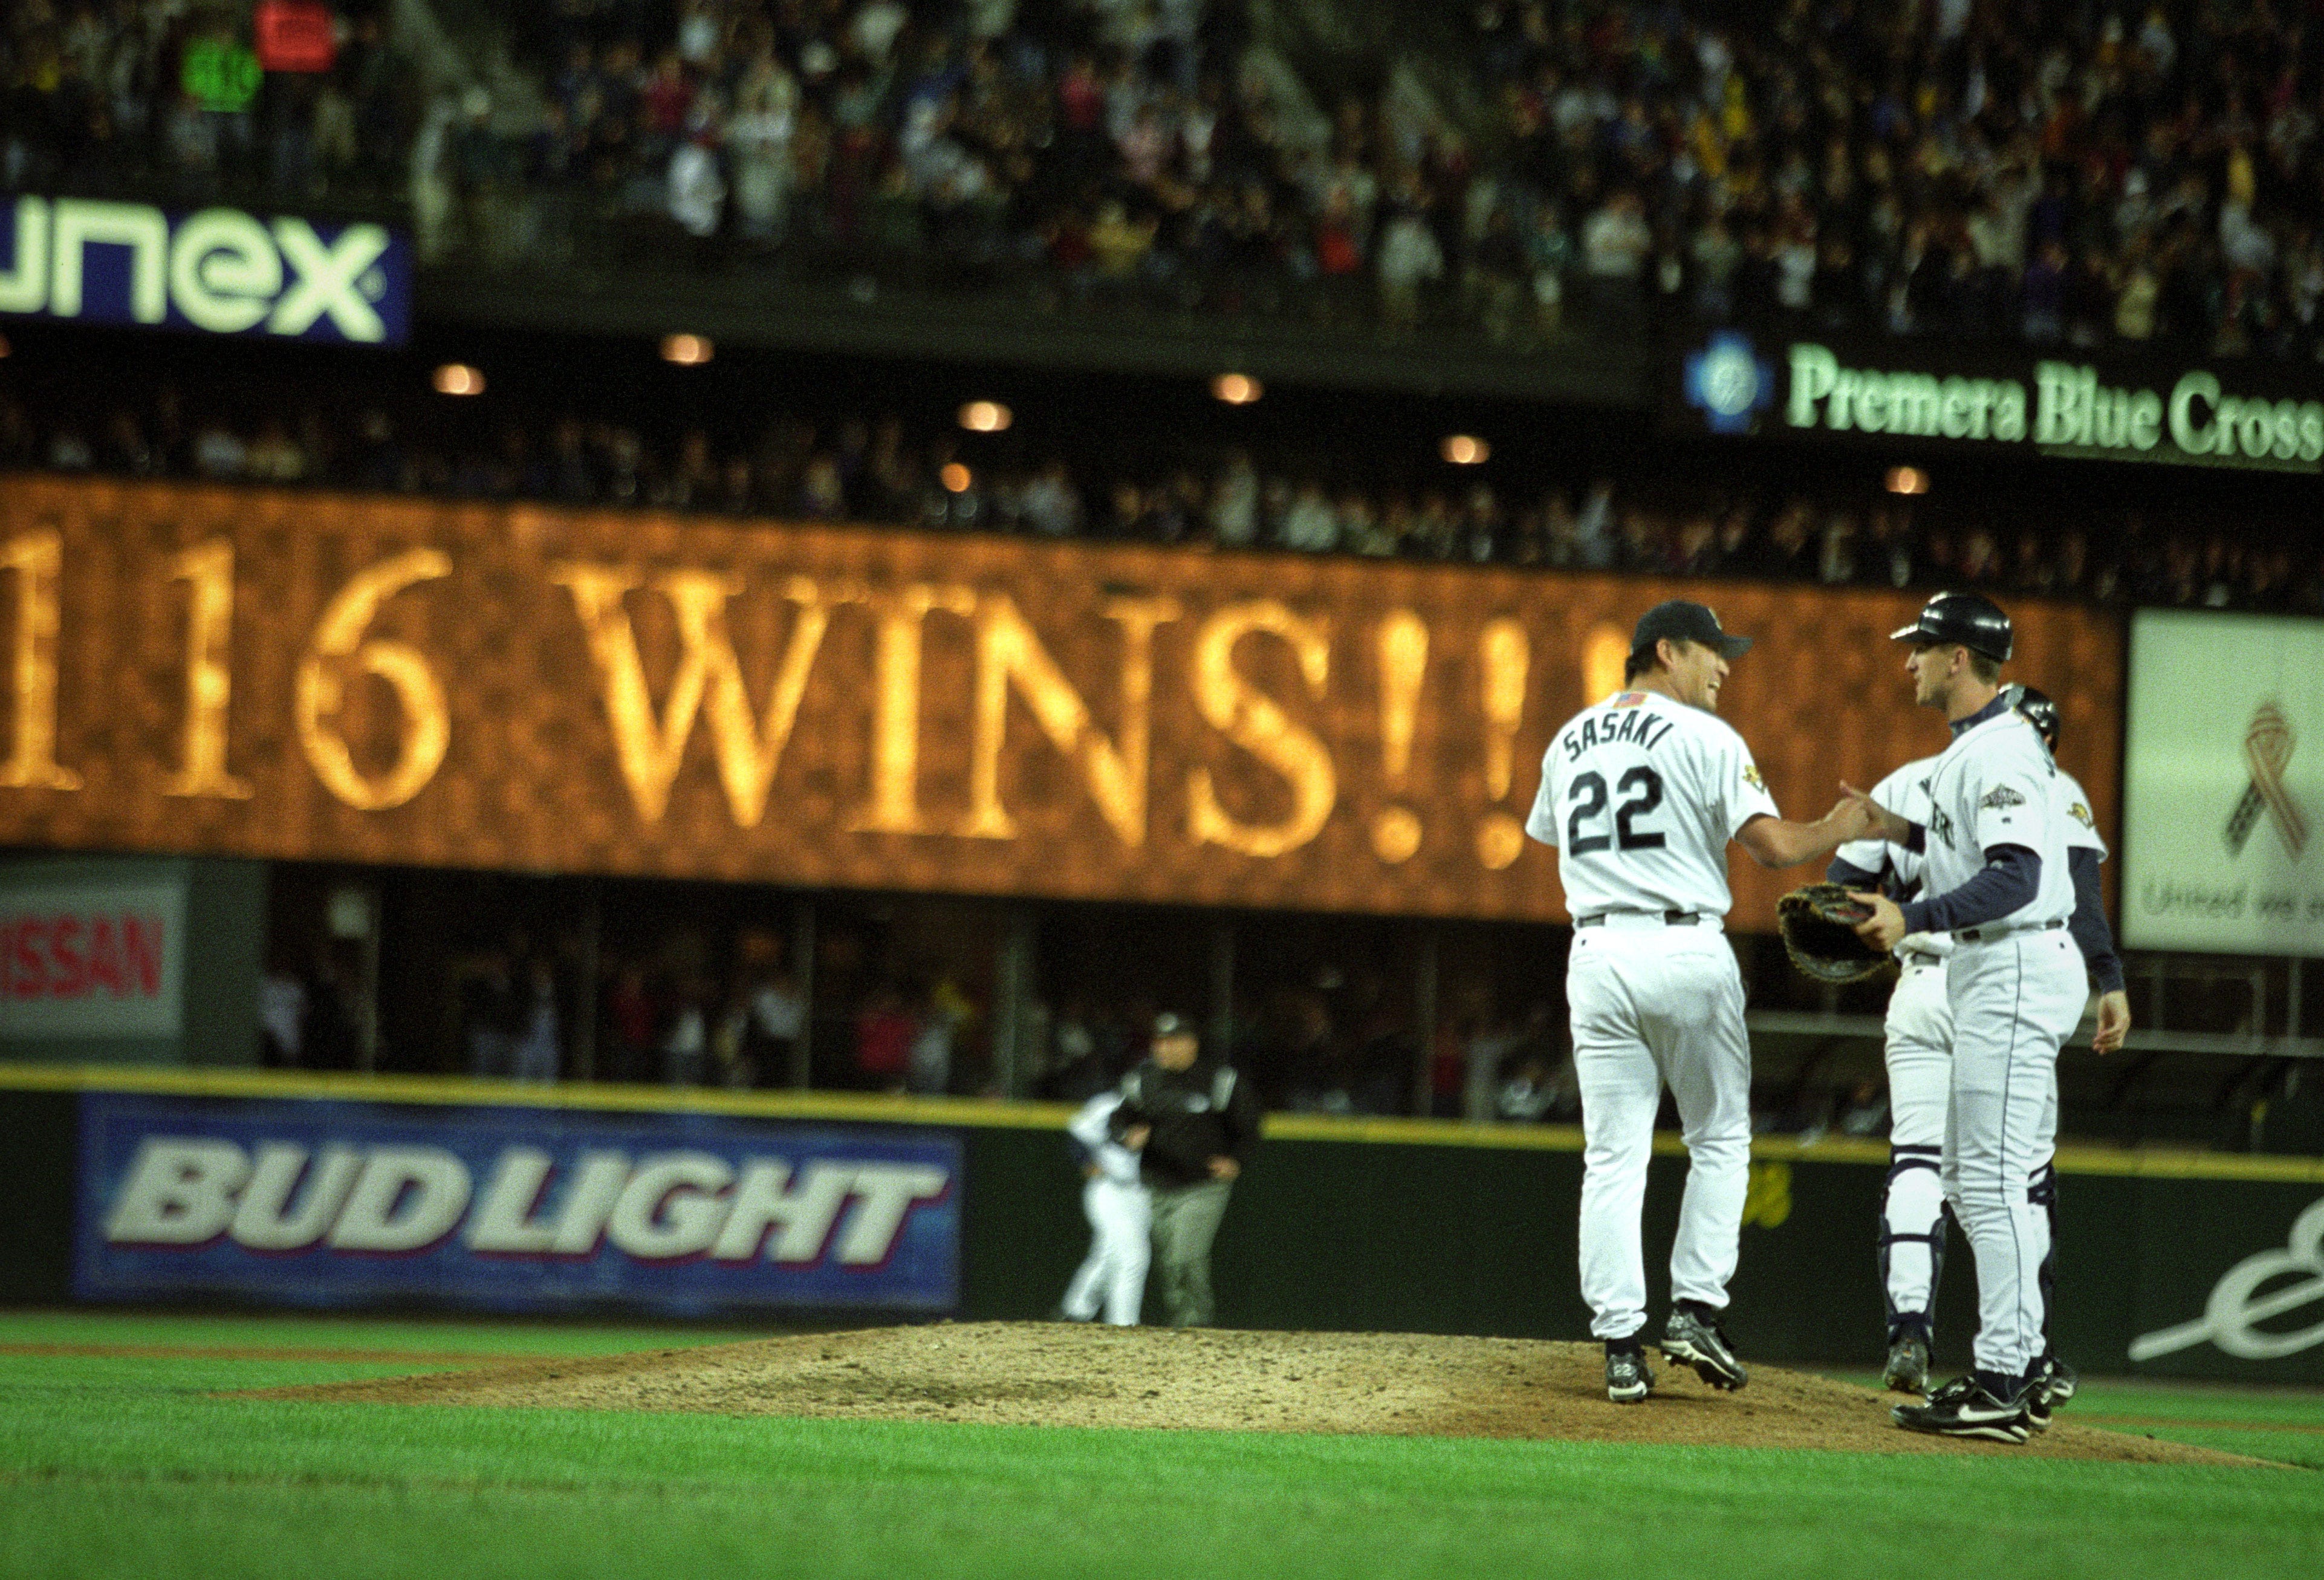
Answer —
1464 450
955 478
457 378
1907 480
1237 389
688 350
985 417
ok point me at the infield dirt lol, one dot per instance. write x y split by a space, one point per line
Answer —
1059 1374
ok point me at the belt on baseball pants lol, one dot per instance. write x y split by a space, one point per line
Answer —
1988 935
1640 919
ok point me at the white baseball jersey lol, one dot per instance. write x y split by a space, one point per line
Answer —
1905 792
1088 1126
1640 795
1995 785
1120 1216
2081 823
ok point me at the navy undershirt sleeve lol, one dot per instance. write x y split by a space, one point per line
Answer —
2089 926
2011 879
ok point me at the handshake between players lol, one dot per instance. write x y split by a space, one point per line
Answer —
1962 863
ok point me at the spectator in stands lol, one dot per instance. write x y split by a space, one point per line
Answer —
629 1017
490 1014
883 1040
281 1017
1409 256
685 1038
539 1049
1615 243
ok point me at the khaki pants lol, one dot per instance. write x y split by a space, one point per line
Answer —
1186 1222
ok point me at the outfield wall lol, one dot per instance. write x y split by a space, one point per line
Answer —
456 1195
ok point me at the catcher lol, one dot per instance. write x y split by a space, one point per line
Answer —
1918 1052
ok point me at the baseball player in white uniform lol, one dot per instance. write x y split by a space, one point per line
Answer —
1640 794
1994 876
1121 1216
2054 1381
1919 1054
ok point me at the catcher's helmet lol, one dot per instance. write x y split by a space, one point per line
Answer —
1970 619
2040 712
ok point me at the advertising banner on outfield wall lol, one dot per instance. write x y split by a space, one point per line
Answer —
90 959
308 676
1891 392
2223 831
216 272
319 1203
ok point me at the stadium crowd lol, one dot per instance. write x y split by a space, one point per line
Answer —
2062 171
688 1010
164 98
878 469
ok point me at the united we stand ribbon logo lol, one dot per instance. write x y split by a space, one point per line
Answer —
2253 1292
2267 746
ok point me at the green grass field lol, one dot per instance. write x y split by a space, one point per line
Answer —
129 1463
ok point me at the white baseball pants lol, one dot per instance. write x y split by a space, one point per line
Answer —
1920 1058
1119 1217
1655 1006
2014 1001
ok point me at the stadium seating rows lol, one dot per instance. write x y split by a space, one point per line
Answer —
831 463
2043 170
2057 172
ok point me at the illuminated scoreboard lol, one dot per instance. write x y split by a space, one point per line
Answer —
309 676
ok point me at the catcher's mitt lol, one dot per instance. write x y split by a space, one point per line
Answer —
1818 926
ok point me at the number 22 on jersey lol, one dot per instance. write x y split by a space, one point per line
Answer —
1587 795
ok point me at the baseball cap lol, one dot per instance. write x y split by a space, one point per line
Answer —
1684 622
1167 1024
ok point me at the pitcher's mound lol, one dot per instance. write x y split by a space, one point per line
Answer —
1058 1375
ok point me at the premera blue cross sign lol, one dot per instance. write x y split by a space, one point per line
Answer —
214 270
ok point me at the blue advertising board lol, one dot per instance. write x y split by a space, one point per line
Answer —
319 1203
217 271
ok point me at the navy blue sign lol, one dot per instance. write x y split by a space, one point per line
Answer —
326 1203
219 271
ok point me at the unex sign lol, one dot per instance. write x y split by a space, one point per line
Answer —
2238 415
218 271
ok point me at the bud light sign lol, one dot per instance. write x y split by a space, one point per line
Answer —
220 270
327 1203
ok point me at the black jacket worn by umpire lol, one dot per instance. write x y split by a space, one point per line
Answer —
1203 1112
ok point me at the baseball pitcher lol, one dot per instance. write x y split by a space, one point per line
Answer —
1640 795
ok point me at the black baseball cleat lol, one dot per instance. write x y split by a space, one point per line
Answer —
1628 1380
2054 1380
2037 1409
1964 1408
1694 1338
1907 1370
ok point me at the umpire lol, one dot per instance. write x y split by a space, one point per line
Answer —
1192 1123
